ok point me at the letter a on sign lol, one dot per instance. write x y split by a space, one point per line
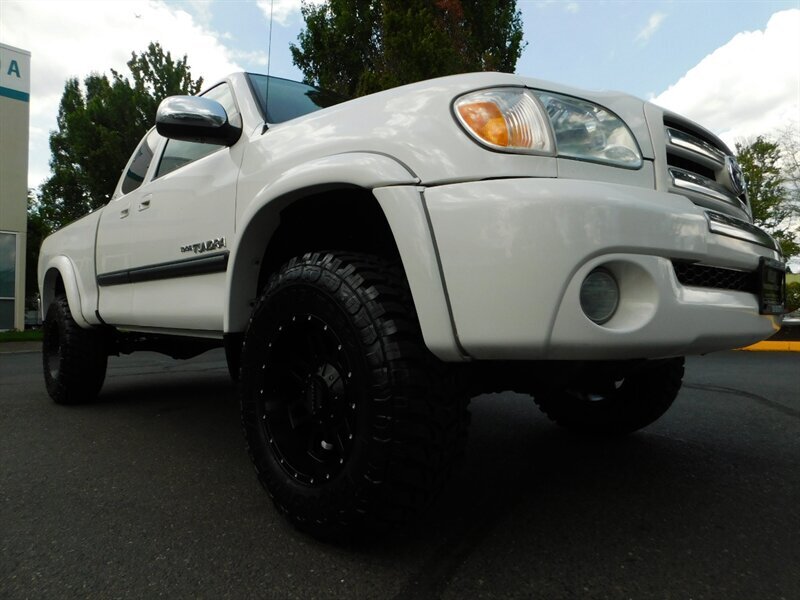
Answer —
13 69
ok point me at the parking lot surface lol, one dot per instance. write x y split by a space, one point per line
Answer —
149 493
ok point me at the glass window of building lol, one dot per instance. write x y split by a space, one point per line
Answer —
8 274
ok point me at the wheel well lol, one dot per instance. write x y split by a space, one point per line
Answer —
52 287
342 219
336 217
59 289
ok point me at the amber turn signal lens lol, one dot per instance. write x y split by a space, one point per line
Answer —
486 121
505 119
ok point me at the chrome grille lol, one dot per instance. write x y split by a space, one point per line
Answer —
694 149
686 180
699 167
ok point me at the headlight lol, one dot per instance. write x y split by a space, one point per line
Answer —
516 120
589 132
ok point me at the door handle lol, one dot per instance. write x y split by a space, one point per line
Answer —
124 213
145 203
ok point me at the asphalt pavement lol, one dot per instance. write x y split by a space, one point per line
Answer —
149 493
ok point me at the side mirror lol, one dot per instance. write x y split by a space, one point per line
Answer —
196 119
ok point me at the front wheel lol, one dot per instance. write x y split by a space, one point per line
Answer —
74 359
619 405
349 420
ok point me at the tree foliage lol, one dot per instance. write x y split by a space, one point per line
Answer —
770 196
356 47
792 296
38 229
99 125
789 140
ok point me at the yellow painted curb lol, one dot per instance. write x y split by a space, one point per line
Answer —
774 347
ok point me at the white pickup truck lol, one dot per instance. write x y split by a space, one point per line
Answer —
369 265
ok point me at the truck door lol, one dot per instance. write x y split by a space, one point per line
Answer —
115 245
180 226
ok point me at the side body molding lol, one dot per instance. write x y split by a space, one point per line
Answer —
258 219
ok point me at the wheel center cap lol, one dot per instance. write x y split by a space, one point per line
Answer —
316 393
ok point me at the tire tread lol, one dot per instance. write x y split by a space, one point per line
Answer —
83 361
419 430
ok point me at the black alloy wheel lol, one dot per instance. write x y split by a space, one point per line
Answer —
310 399
351 423
74 359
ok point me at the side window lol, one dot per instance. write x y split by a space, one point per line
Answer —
178 153
142 158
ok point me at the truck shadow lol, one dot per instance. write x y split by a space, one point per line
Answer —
529 489
520 471
526 488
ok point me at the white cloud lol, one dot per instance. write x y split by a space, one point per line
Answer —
283 11
570 7
748 87
256 57
653 25
201 9
74 39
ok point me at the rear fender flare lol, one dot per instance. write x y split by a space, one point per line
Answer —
61 266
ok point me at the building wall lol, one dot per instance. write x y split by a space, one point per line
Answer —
14 125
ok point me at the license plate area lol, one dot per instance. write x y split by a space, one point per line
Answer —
771 287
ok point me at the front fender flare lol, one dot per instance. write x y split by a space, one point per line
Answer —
261 218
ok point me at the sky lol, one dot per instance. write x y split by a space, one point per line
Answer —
733 66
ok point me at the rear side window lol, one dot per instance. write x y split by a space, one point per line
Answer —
142 157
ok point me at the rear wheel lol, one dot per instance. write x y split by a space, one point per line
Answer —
350 422
619 405
74 359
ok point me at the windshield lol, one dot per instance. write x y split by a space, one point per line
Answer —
289 99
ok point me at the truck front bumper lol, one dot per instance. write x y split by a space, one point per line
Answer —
514 253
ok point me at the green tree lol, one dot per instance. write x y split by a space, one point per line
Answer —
38 229
356 47
767 190
792 296
789 140
157 75
99 125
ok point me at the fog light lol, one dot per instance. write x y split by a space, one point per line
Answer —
599 296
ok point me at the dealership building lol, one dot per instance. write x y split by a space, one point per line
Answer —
14 118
